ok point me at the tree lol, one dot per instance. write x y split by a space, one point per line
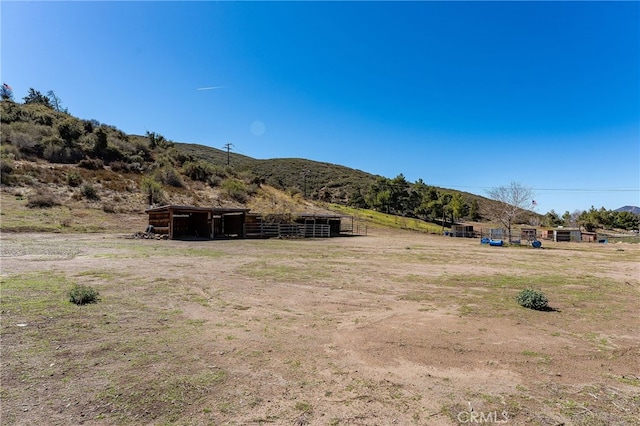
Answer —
513 201
459 207
379 195
56 102
101 144
588 219
474 211
626 220
158 141
356 199
69 130
552 219
35 97
399 193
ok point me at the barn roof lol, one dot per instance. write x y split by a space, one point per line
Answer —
196 209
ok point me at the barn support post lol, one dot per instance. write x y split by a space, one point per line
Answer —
171 224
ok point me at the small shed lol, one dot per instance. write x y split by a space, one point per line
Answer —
566 235
462 231
184 222
589 237
528 234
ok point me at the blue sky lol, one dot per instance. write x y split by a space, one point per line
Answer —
465 95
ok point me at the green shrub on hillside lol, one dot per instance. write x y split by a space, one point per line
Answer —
6 168
74 178
89 192
169 176
154 194
235 189
198 170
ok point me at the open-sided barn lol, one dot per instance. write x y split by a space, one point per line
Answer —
197 222
183 222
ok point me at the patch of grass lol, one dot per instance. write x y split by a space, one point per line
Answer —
304 407
33 295
160 398
388 220
629 380
282 272
417 296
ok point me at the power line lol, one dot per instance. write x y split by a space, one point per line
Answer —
548 189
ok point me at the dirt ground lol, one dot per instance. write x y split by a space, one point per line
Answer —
389 328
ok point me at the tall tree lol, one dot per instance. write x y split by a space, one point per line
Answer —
56 102
35 97
459 207
552 219
474 211
513 201
399 188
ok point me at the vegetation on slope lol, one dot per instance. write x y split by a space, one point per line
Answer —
50 152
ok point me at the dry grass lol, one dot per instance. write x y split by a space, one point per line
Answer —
365 330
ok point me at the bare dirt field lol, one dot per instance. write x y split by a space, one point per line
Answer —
390 328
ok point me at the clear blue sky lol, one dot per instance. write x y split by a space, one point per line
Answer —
463 95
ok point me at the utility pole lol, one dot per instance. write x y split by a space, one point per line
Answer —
304 173
228 146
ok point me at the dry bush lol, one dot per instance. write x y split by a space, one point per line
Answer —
91 164
42 199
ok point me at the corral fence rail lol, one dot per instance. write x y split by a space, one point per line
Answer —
276 230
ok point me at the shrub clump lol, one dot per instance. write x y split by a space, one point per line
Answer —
91 164
236 190
42 199
74 178
533 299
89 192
82 295
171 177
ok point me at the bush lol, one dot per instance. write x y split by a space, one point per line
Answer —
214 180
89 192
82 295
91 164
533 299
198 170
119 166
6 168
236 190
55 151
74 178
41 199
169 176
153 190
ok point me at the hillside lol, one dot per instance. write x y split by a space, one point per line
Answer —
322 181
53 160
630 209
76 160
